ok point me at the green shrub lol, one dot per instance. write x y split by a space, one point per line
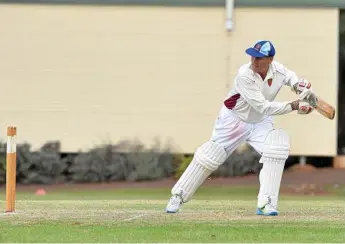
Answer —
124 161
185 161
2 168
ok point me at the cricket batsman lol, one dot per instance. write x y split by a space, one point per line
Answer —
246 116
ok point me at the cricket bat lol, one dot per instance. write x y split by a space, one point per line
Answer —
325 108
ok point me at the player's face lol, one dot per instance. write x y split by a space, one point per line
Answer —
260 65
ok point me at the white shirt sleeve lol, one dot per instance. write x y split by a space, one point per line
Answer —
291 79
250 92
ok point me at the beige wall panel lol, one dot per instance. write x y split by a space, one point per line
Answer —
306 42
85 75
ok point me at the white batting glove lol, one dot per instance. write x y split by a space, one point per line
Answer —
302 85
309 97
303 88
304 108
305 94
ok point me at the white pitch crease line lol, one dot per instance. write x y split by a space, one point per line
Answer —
135 217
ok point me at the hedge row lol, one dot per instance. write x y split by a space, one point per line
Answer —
126 161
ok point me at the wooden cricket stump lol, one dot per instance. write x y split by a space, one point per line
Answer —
11 168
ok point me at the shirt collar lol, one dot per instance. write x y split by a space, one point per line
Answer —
270 72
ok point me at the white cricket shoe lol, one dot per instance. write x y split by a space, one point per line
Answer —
267 210
265 207
174 204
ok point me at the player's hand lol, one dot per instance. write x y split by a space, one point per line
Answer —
301 107
302 85
303 88
304 108
308 96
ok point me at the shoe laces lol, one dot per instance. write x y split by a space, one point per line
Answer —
177 199
270 207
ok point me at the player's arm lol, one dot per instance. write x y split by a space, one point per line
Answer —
301 87
251 93
291 80
297 85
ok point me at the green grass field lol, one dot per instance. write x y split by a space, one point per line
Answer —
137 215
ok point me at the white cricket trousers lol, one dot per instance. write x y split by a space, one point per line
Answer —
229 131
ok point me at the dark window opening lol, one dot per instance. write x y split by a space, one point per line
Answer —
341 87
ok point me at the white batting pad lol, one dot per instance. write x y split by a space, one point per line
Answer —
277 145
207 158
273 159
270 179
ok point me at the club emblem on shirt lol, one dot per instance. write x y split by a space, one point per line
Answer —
269 82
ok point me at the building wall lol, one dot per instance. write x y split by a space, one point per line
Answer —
85 75
299 35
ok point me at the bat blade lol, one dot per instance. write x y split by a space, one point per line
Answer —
325 108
